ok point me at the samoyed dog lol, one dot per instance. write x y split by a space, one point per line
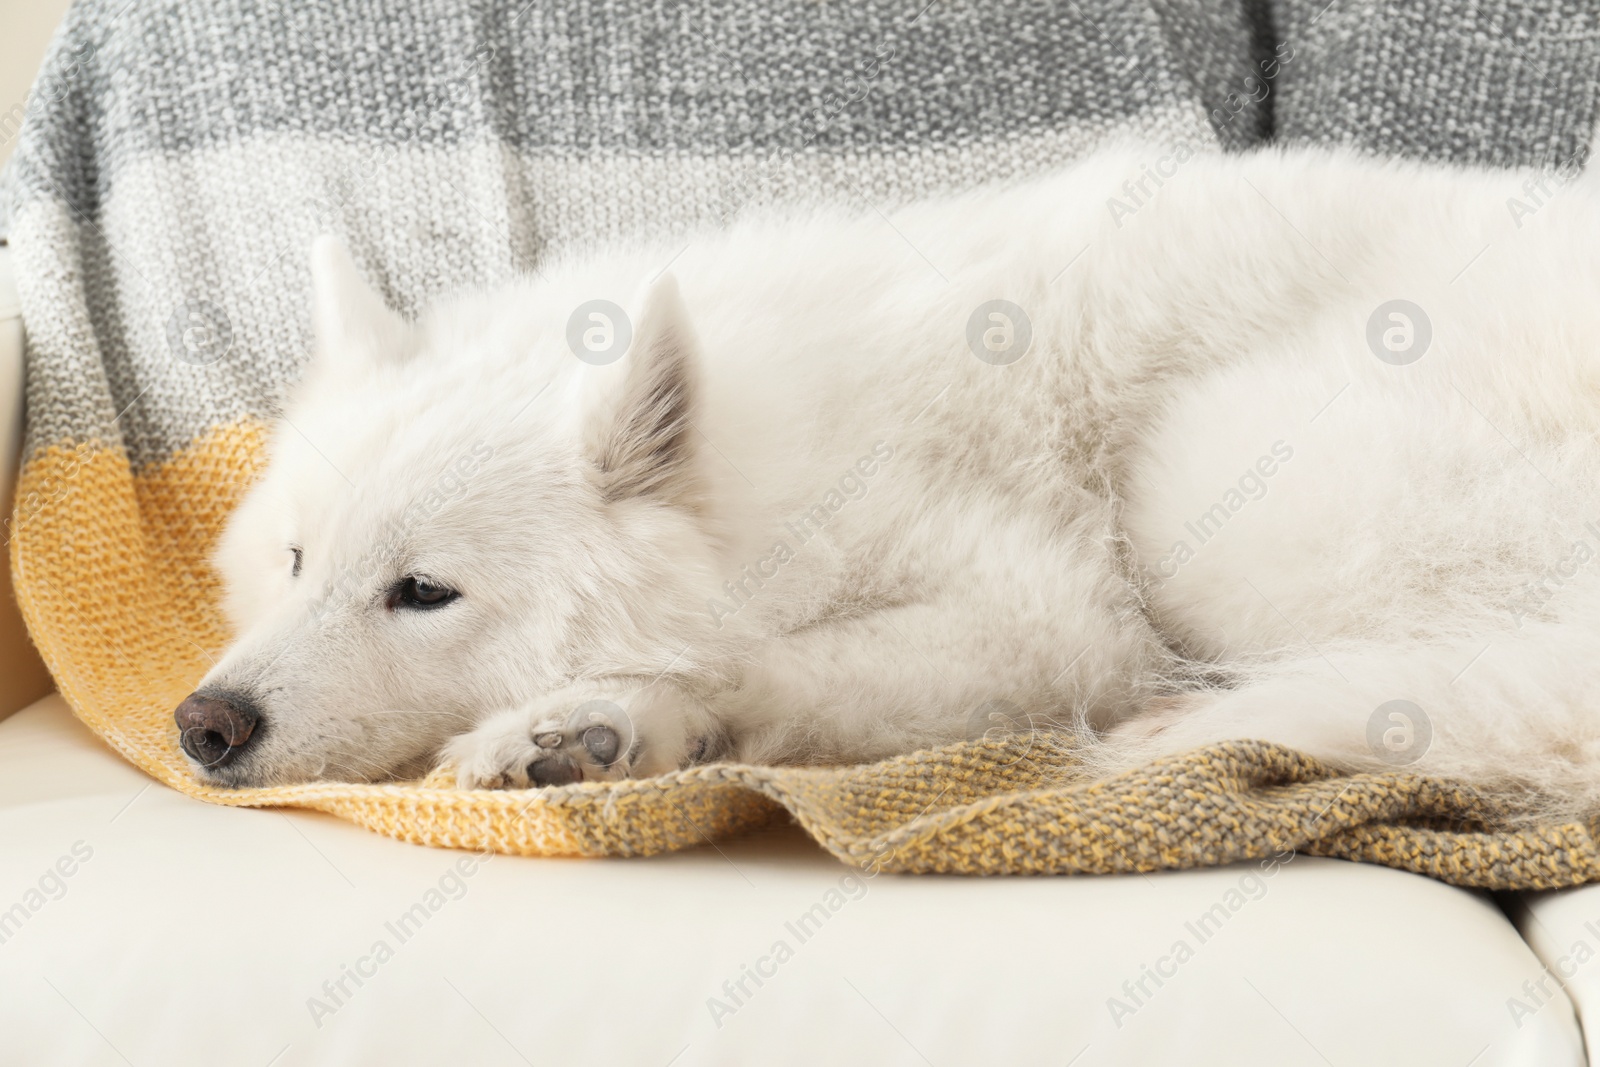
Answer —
1165 448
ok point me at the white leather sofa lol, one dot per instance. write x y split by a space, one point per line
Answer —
138 926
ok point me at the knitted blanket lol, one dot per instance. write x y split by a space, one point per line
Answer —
178 158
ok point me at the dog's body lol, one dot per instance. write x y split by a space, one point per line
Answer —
835 504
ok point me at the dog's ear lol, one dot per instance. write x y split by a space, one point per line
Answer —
350 321
644 439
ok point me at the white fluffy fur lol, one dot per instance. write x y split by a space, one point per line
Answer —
1014 539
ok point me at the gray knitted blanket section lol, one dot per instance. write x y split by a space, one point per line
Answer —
178 158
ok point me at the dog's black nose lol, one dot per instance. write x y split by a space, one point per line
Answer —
215 729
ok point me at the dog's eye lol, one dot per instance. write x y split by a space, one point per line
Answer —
414 592
299 557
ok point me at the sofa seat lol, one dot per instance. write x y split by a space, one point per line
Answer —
138 926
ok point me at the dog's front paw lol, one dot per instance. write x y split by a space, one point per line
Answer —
579 734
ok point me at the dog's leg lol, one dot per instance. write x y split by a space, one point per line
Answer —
931 673
1506 709
597 731
845 690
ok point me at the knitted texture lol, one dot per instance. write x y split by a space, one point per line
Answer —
1500 82
179 158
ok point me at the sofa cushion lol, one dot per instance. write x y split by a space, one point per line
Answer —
1563 928
138 925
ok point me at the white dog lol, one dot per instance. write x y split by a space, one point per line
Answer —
1165 448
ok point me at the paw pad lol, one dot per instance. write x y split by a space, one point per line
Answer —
594 738
555 744
554 770
603 744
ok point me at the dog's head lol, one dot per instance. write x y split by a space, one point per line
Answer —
457 516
